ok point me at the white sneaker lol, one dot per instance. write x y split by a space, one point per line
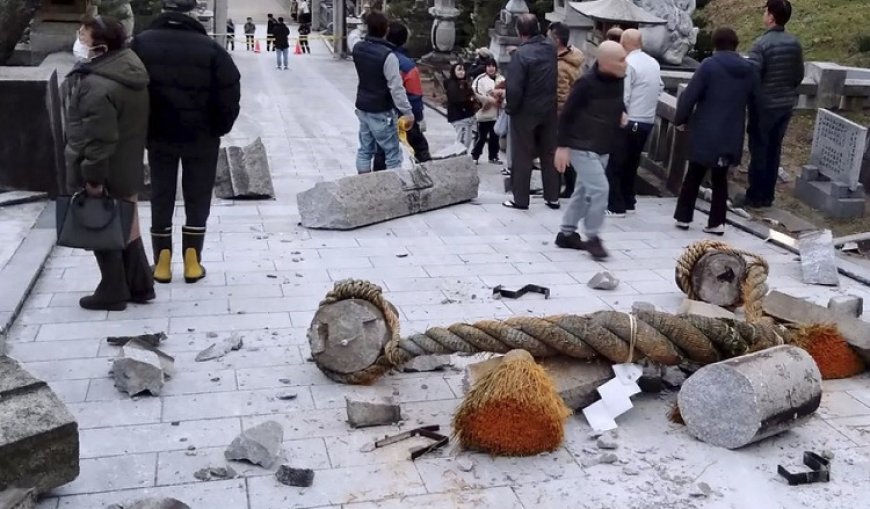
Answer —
614 214
715 230
681 225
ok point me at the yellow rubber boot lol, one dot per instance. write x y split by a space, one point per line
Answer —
161 241
192 239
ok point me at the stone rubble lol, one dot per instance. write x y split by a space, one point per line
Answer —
851 306
221 348
298 477
138 370
372 410
465 464
216 473
153 503
426 363
259 445
603 281
152 340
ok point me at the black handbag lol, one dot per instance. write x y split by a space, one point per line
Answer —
97 223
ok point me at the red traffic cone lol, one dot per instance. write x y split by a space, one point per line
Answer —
257 46
298 49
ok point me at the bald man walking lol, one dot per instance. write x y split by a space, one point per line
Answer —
588 125
643 85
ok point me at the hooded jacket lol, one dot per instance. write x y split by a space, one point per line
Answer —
195 85
714 104
569 64
106 122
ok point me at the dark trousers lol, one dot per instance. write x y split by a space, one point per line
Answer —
270 42
530 137
418 142
199 165
689 194
231 42
485 135
766 131
622 167
249 41
303 43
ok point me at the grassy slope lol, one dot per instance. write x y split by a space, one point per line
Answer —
828 29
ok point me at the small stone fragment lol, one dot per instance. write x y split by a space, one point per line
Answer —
606 442
701 490
286 396
223 472
630 471
202 474
368 447
139 370
158 503
259 445
827 454
425 363
212 335
603 281
465 464
298 477
219 349
374 410
608 458
285 381
152 340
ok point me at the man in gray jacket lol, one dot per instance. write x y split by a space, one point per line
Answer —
531 104
779 58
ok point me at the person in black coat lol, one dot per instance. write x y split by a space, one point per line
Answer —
461 105
271 24
194 97
714 105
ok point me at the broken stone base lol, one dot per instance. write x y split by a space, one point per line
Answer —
577 381
360 200
376 409
243 172
18 499
739 401
39 439
260 445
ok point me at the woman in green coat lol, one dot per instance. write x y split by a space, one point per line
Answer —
106 120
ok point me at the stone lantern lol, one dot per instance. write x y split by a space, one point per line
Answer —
444 27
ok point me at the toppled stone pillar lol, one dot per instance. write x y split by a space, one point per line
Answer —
739 401
39 439
360 200
243 172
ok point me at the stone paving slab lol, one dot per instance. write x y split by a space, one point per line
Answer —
437 268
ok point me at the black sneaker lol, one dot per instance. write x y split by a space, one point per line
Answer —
570 241
596 249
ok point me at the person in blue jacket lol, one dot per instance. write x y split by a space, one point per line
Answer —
714 105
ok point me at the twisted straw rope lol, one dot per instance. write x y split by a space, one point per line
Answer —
753 288
614 336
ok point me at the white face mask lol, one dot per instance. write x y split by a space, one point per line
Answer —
81 51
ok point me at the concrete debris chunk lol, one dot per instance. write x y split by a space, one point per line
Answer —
791 309
360 200
742 400
218 473
243 172
576 381
607 441
603 281
374 409
425 363
608 458
465 464
818 258
138 370
39 439
259 445
17 498
701 490
151 340
298 477
701 308
219 349
850 306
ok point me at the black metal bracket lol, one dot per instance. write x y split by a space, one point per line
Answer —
820 471
424 431
499 292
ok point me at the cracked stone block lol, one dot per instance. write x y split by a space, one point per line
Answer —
360 200
425 363
298 477
243 172
259 445
603 281
372 410
220 348
138 371
847 305
39 439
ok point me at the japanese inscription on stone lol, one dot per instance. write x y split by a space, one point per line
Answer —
838 148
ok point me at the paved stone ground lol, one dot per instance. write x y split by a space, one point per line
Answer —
266 275
15 222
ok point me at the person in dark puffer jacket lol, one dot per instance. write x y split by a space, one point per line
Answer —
779 58
195 95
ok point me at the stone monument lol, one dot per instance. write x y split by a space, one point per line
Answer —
830 182
443 33
504 35
672 41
